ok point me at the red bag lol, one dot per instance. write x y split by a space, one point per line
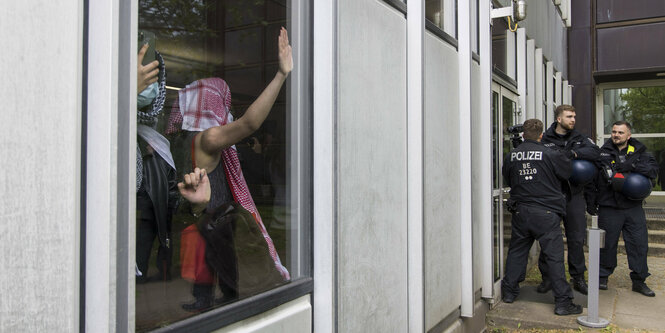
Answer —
192 257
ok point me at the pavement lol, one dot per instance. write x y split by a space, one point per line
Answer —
627 311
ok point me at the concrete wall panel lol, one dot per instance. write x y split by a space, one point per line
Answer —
543 24
372 215
476 90
292 317
441 203
39 185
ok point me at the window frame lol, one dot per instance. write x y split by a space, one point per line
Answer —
601 137
439 32
300 150
397 4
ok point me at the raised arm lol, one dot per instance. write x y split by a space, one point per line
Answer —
215 139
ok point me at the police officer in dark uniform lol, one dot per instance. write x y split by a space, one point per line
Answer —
617 212
535 175
562 136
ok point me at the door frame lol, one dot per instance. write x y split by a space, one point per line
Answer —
499 193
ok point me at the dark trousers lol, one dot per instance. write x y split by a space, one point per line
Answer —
574 224
146 232
533 223
632 222
221 259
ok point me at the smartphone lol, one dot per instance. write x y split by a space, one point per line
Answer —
147 37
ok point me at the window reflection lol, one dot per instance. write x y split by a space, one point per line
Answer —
643 107
182 270
442 14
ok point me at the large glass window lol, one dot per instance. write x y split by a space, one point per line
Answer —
443 14
215 59
644 108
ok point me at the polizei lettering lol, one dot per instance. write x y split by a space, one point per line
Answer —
526 156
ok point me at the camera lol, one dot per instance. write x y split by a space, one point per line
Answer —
515 137
516 129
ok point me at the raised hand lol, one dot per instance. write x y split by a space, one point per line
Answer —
145 75
196 189
285 56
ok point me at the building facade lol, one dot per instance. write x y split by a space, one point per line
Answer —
377 176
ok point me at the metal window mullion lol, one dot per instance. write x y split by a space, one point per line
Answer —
466 230
324 165
126 166
101 161
484 210
415 254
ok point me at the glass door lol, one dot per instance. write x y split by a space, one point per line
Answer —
505 113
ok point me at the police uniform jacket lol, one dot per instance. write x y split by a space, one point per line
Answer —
535 175
633 158
570 142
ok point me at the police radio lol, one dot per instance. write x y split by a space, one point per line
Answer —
515 137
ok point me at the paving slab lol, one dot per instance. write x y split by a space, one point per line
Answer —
636 311
626 310
533 310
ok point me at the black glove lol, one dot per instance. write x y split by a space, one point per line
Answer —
592 209
570 154
624 167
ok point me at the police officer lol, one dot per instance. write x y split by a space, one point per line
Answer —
562 136
618 213
535 175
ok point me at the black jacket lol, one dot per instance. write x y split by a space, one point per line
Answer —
638 161
572 141
535 175
160 183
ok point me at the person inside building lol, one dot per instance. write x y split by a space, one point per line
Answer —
207 132
535 175
156 193
562 136
618 210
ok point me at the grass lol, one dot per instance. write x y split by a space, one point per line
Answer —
533 274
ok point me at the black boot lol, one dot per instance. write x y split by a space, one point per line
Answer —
199 305
544 286
602 283
580 285
642 288
569 309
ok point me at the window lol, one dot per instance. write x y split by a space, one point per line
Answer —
397 4
642 106
442 13
218 57
475 32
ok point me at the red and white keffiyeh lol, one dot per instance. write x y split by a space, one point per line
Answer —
204 104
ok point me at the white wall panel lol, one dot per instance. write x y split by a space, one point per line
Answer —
292 317
530 110
39 186
442 182
544 24
372 214
479 163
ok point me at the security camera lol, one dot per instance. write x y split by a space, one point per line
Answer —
519 10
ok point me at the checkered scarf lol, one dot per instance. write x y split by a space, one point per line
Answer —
204 104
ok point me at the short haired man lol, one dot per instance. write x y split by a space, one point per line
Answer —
562 136
618 213
535 175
